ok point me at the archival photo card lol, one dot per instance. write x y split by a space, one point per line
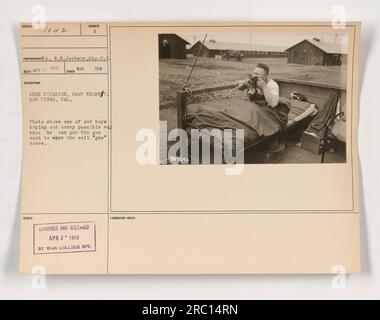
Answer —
190 148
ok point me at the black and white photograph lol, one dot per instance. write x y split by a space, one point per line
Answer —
253 98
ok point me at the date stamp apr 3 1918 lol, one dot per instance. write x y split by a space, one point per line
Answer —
64 237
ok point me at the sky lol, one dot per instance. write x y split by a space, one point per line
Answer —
266 38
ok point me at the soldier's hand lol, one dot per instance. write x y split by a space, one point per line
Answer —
261 83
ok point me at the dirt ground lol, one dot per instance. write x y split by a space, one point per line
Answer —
212 72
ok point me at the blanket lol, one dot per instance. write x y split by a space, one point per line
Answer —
257 120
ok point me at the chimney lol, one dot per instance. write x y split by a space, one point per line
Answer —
317 39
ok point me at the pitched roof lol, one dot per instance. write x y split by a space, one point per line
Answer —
218 45
176 35
326 47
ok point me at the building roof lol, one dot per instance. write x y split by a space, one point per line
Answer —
176 35
326 47
218 45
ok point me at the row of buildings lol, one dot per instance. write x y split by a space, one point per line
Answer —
308 52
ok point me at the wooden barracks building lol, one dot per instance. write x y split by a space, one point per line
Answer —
213 49
308 52
171 46
318 53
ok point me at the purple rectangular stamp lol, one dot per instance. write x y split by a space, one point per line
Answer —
64 237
